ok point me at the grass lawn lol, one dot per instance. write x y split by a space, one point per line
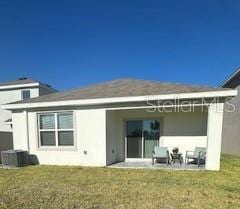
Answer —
59 187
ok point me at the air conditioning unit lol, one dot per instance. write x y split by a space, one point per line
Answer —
14 158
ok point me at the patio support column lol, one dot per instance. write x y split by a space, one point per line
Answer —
214 136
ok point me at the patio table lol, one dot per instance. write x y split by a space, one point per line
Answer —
176 156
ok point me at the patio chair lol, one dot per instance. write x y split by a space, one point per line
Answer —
160 153
198 155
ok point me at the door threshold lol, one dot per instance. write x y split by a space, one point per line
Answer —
138 159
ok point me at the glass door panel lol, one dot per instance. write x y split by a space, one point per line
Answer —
134 139
142 136
151 134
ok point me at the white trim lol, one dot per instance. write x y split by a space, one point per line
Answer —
142 158
19 86
22 90
34 84
212 94
157 106
8 123
138 159
56 130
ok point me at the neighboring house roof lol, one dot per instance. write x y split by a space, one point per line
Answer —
20 81
23 82
233 81
121 88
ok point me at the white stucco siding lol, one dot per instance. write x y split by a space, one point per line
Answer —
185 124
184 143
20 134
8 96
13 95
115 136
214 136
172 123
91 131
100 135
90 139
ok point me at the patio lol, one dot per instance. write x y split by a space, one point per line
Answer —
148 165
133 134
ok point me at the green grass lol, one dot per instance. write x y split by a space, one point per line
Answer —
68 187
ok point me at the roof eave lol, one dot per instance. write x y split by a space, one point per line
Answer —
102 101
230 78
45 86
16 86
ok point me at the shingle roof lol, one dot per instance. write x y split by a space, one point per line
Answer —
21 81
18 82
233 81
121 88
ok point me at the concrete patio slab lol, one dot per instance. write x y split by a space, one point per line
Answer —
148 165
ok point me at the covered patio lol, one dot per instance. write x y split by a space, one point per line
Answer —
132 134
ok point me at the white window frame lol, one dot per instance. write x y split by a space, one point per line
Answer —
55 130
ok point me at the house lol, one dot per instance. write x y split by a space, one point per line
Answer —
12 91
231 121
120 120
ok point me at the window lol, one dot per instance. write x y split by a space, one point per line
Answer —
26 94
56 129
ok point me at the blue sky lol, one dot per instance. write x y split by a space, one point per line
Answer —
71 43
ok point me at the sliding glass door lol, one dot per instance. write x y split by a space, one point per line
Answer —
141 137
134 139
151 134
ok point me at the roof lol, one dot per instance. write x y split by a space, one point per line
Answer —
22 81
233 80
121 88
18 82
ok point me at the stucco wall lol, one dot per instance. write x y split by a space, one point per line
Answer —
185 130
8 96
90 137
231 127
214 136
184 143
99 135
115 136
20 127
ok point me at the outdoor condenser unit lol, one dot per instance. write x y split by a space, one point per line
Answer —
14 158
